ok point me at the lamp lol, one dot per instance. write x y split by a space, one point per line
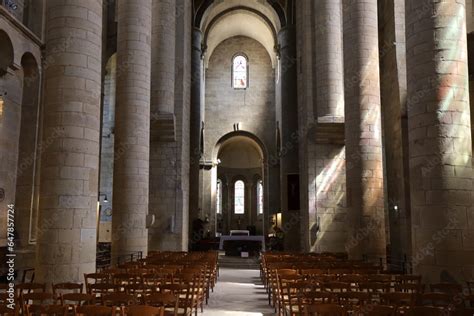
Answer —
105 197
1 106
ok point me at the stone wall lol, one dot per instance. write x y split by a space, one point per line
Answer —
253 108
394 113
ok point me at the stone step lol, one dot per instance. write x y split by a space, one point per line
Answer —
239 263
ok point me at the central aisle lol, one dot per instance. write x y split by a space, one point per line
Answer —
238 293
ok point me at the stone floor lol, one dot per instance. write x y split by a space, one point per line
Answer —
238 293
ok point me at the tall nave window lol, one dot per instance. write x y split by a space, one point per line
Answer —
260 197
240 72
239 197
219 197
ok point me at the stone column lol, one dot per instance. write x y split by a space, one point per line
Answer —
289 164
327 153
132 128
163 56
197 87
364 161
439 141
66 239
329 61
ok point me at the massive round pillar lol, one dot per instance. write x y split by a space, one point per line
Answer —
197 117
289 163
163 56
439 140
66 237
327 153
329 60
364 159
132 128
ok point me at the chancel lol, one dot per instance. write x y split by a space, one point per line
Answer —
236 157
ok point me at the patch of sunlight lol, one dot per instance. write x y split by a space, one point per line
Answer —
232 313
239 284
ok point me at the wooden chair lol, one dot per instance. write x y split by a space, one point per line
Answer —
337 287
95 310
470 287
285 289
95 278
436 299
3 287
469 299
448 288
376 310
353 299
63 288
24 288
4 297
325 310
414 288
118 299
168 301
41 310
398 299
73 300
143 310
35 298
7 311
408 279
463 312
101 289
425 311
139 291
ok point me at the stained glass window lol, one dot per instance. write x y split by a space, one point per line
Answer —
240 72
260 197
239 197
219 197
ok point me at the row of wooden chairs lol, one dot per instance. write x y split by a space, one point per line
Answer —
293 285
380 310
86 310
181 288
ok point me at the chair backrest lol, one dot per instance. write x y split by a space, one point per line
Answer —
425 311
143 310
470 286
399 298
463 312
95 310
40 310
91 278
436 299
30 287
32 298
118 299
325 310
63 288
77 299
378 310
6 311
449 288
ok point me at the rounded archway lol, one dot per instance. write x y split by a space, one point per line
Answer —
6 53
239 184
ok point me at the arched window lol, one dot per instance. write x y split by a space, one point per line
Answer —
240 72
260 197
219 197
239 197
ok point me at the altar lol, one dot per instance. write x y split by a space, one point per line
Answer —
243 239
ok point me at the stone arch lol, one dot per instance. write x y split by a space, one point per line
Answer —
6 53
251 136
27 186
